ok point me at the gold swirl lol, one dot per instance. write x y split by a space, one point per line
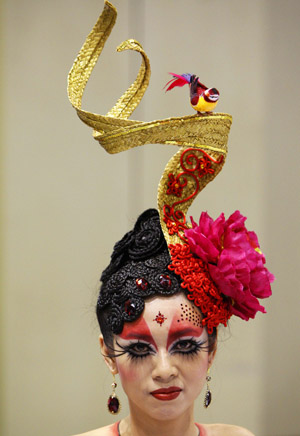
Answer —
132 97
116 133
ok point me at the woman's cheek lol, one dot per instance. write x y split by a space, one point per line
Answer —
126 375
128 372
200 373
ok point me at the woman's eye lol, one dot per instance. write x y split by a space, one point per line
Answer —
139 350
187 346
184 345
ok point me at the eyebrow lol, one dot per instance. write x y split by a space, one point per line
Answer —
176 331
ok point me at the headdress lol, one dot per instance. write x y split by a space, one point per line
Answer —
217 263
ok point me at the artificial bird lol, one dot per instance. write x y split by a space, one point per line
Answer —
202 99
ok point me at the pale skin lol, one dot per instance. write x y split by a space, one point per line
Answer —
157 352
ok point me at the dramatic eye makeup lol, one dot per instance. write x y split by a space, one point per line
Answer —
183 346
138 329
188 346
184 338
135 350
184 329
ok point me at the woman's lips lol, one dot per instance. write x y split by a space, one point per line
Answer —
166 394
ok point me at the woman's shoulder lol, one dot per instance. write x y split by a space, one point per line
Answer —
226 430
109 430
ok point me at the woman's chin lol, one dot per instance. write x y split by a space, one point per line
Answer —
163 410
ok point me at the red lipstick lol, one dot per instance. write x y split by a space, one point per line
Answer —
166 394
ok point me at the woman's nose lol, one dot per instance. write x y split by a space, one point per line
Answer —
164 368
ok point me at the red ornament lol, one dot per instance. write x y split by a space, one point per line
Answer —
142 284
160 319
204 167
113 404
165 281
174 186
195 163
130 308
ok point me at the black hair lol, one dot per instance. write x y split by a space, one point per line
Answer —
137 271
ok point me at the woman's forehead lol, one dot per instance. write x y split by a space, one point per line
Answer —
165 319
172 314
170 306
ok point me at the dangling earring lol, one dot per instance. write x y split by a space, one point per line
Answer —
113 403
208 396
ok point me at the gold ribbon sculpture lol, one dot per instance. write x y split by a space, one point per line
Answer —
202 139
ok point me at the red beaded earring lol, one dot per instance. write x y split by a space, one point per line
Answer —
113 403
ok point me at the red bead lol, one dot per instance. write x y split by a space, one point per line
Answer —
113 405
142 284
165 281
129 308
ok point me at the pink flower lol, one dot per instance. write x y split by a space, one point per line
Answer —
234 260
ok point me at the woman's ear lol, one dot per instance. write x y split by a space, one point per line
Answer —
211 357
106 353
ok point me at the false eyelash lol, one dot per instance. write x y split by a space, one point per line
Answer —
128 349
125 350
115 353
197 346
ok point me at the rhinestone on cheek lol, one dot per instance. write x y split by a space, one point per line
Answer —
142 284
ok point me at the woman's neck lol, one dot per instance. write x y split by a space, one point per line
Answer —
139 424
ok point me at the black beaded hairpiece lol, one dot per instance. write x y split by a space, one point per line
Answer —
137 271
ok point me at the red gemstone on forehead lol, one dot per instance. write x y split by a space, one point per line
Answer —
129 308
165 281
160 318
142 284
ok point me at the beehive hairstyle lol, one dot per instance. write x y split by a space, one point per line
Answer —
138 270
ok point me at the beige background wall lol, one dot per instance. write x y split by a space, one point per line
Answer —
66 202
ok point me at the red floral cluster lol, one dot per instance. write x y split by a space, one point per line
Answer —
174 186
201 290
204 166
234 261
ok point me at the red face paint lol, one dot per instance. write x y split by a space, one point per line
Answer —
138 330
184 328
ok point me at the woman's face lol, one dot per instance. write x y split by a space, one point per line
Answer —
162 358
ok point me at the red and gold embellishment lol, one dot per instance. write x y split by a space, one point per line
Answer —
160 319
195 164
